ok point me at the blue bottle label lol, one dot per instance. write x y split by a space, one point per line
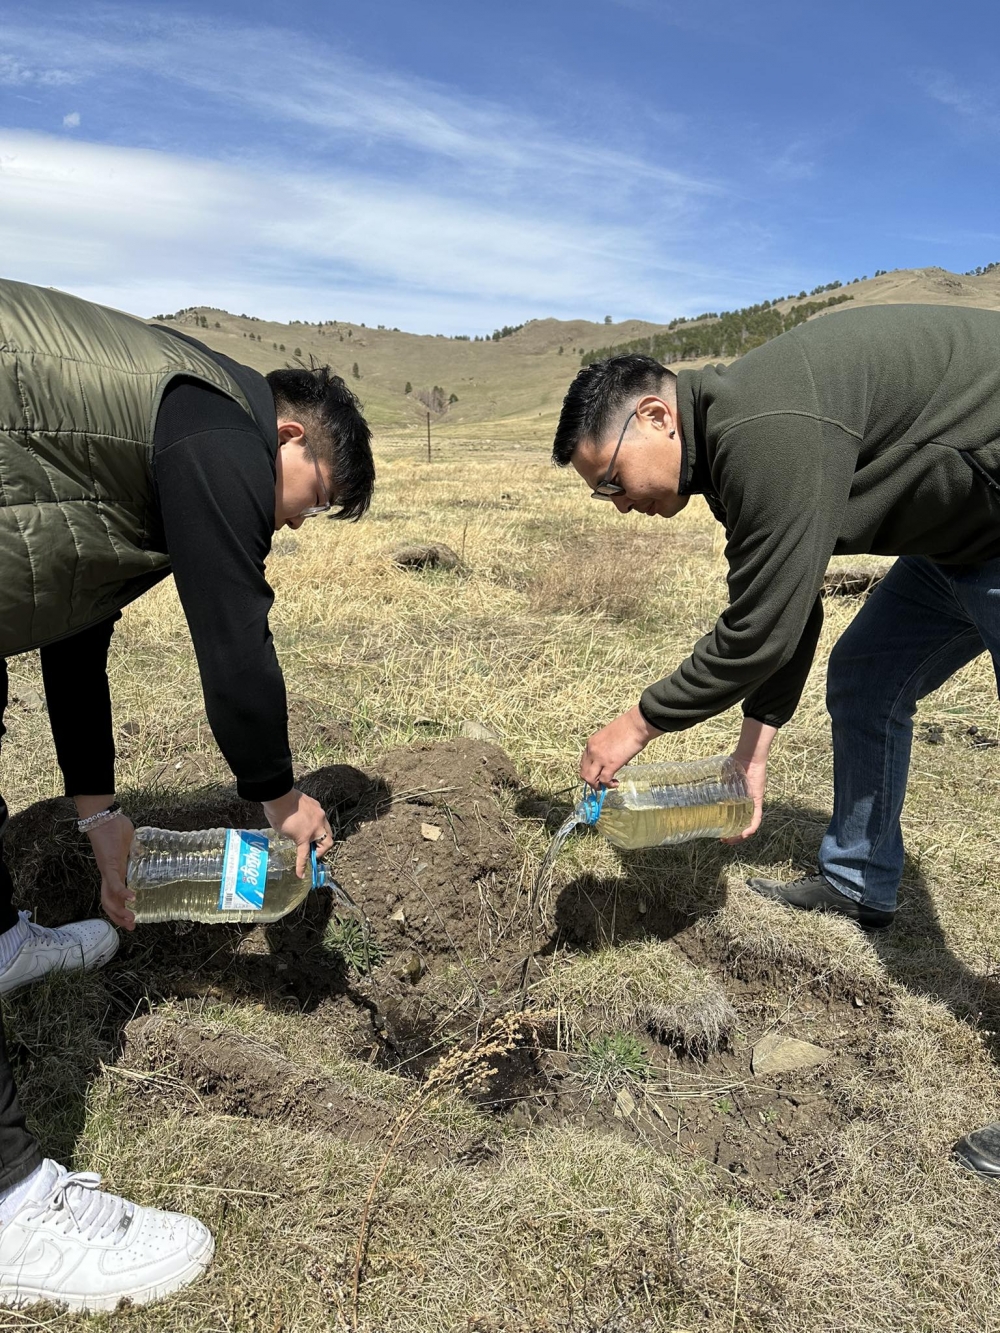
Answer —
244 871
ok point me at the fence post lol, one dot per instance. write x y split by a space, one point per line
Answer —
428 437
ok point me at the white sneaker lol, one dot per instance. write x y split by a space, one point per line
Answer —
82 944
73 1245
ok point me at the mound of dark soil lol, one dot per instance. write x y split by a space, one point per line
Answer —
435 856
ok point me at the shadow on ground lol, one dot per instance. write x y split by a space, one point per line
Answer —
59 1034
664 892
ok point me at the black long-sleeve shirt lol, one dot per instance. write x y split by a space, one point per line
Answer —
214 477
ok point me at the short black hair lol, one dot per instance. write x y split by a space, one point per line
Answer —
598 394
338 430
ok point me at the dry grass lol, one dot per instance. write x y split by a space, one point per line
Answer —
646 984
572 1229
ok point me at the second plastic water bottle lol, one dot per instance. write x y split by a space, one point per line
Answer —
239 875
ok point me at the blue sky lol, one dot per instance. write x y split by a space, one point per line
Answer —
449 167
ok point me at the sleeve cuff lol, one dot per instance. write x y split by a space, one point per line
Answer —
89 782
269 790
663 722
767 720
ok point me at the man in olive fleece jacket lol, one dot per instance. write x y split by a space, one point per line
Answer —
873 430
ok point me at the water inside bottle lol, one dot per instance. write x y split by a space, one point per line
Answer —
660 805
179 877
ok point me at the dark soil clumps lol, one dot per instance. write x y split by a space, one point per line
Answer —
239 1076
432 867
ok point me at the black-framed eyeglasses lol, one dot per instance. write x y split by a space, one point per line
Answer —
313 510
606 489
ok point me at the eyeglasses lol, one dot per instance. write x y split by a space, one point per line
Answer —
313 510
606 489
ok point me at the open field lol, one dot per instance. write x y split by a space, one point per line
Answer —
522 1124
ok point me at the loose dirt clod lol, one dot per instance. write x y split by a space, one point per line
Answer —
431 555
851 582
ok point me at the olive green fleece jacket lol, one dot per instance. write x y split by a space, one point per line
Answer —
865 431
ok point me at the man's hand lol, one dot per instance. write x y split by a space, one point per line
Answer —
111 842
613 746
303 820
752 752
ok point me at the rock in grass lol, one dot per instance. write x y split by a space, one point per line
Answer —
775 1054
426 555
477 731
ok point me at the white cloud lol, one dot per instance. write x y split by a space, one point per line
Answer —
979 110
72 120
123 224
413 205
15 73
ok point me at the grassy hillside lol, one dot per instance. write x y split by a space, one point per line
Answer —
511 389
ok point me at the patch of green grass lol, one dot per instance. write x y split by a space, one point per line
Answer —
354 942
613 1061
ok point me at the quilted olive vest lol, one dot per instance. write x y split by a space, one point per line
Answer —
80 386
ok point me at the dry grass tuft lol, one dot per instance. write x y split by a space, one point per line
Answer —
757 938
648 985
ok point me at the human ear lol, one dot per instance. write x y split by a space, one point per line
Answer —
291 432
653 412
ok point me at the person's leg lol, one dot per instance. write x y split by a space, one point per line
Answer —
912 634
19 1150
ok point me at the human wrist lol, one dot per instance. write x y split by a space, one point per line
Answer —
644 729
754 744
282 806
92 805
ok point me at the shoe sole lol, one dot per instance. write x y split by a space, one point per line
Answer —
91 965
19 1297
971 1161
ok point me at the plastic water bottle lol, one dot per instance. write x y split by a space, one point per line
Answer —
242 875
657 805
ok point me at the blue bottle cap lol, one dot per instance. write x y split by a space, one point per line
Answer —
318 871
591 804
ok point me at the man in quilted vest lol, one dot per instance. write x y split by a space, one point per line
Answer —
128 452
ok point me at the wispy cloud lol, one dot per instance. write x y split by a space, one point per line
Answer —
419 204
980 111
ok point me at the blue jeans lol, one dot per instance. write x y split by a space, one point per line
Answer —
919 626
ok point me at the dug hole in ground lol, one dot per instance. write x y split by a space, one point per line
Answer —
640 1100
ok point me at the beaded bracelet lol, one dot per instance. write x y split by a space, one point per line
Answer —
101 817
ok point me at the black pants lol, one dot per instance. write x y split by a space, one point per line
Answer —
20 1152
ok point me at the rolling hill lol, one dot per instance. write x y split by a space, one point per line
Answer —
513 385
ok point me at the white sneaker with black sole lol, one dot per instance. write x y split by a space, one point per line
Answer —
82 945
77 1247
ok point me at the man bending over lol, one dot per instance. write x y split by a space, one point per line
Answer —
873 430
127 453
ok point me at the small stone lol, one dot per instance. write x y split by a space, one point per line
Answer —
431 832
775 1054
426 555
410 967
399 917
31 701
858 1002
625 1107
477 731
